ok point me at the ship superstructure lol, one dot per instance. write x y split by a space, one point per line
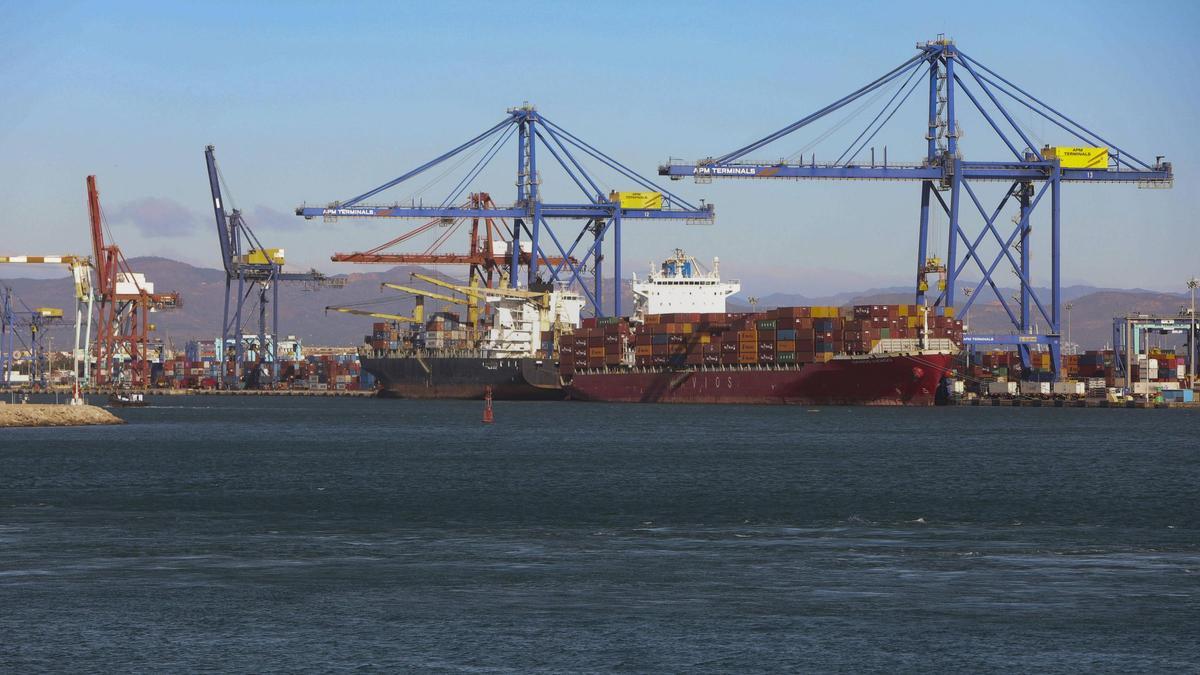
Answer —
519 324
680 285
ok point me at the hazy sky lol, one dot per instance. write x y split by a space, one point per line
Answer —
312 102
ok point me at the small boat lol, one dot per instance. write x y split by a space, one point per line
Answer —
125 399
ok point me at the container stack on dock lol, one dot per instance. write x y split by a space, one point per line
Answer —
1000 373
327 372
198 368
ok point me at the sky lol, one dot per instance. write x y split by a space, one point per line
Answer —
315 102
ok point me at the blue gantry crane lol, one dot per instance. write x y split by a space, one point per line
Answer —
948 73
36 320
600 213
8 334
254 268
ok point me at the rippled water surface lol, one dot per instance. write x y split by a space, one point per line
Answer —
259 534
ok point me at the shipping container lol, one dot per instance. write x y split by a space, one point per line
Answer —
1002 388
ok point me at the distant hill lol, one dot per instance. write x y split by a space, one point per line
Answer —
302 312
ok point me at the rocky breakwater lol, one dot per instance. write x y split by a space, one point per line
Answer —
51 415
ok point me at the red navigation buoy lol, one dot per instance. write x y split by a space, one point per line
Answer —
488 417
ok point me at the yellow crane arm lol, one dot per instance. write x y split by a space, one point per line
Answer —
466 290
515 293
428 294
377 315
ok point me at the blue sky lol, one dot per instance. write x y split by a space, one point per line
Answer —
315 102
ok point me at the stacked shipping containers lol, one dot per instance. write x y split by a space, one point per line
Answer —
784 336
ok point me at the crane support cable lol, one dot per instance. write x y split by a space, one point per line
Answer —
1028 143
550 146
967 90
916 69
879 82
885 121
615 165
427 165
586 176
479 166
1052 110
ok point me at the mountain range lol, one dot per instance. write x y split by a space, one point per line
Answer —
302 310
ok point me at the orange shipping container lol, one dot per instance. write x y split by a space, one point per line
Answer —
596 352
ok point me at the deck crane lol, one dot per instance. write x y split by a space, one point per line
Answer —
124 300
551 309
253 268
376 315
81 275
1026 176
487 247
531 216
418 314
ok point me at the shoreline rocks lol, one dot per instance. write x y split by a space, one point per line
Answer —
52 415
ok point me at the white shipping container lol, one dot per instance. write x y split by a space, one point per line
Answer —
1035 388
1002 388
1150 388
1069 389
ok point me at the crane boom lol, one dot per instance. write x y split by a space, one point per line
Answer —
428 294
377 315
466 290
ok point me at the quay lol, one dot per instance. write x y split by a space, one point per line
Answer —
1068 403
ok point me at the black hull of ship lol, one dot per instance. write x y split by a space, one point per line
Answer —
468 378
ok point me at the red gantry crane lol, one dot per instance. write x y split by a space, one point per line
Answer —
124 302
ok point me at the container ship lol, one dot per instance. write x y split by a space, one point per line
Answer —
681 346
508 351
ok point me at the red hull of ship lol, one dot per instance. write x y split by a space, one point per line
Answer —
884 380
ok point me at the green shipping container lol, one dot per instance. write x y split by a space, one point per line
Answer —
765 324
785 357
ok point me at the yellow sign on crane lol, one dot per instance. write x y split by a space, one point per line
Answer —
264 256
644 201
1078 157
